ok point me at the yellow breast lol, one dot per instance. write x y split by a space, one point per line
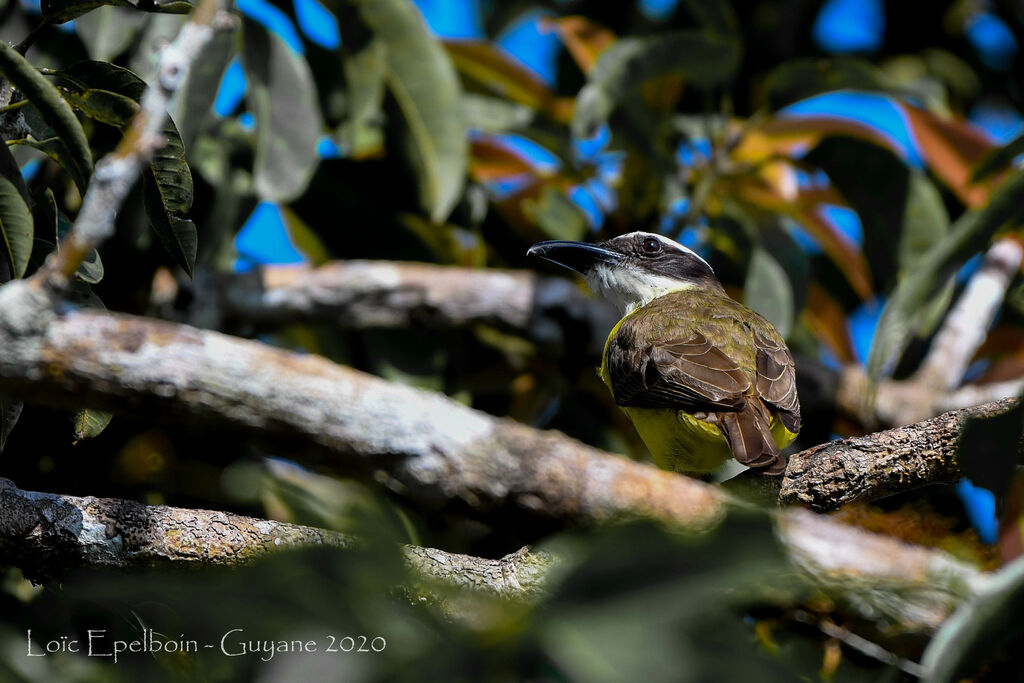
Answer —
680 442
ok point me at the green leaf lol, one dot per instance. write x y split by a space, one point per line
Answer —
423 82
288 125
556 215
494 115
702 59
970 234
925 221
10 411
998 159
768 291
92 74
178 235
107 31
193 104
59 11
54 110
362 131
110 92
103 105
50 228
978 629
900 210
16 227
798 79
90 423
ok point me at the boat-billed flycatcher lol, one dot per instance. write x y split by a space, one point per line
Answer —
702 377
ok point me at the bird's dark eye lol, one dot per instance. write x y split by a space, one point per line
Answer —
651 246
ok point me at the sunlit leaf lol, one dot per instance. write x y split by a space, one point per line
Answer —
493 114
794 135
103 105
836 245
38 90
424 84
485 69
583 38
361 134
976 631
704 60
89 423
491 160
951 148
969 234
288 124
768 291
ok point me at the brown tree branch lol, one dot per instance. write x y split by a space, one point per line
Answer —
47 534
402 295
420 444
869 467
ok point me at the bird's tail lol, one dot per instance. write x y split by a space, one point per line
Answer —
748 432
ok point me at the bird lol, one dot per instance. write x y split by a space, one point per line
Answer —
702 377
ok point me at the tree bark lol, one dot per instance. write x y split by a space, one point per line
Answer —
47 534
401 295
869 467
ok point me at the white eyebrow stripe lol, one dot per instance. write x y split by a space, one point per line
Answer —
673 244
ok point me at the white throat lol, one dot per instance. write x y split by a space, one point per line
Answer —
630 288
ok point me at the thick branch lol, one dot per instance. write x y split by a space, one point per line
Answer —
869 467
383 294
47 534
421 445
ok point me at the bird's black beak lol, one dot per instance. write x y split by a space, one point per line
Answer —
577 256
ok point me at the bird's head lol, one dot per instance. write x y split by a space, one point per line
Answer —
632 270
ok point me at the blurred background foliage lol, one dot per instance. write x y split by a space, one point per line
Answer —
832 159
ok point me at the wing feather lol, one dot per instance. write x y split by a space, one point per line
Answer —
776 379
692 375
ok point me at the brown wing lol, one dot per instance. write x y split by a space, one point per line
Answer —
776 379
691 375
696 376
